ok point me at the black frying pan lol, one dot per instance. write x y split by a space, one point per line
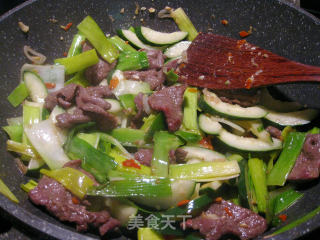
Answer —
279 27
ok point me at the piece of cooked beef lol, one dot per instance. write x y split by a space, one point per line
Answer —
173 64
155 58
177 156
137 119
227 218
169 100
244 98
60 203
144 156
307 166
68 120
155 78
274 132
96 73
63 97
90 106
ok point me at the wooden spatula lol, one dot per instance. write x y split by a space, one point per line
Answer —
220 62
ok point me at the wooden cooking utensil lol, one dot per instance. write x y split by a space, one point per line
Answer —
219 62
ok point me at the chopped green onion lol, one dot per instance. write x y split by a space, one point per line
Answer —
184 23
190 109
152 124
92 138
127 102
142 187
90 29
15 132
76 45
31 115
93 160
291 150
190 136
171 77
29 186
74 180
284 200
163 143
19 94
79 62
205 171
6 192
148 233
258 176
115 142
132 61
121 45
128 135
22 148
78 78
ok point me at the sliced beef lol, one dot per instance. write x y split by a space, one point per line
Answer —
96 73
177 156
173 64
144 156
90 106
63 97
68 120
137 120
154 77
155 58
60 203
274 132
244 98
169 101
227 218
307 166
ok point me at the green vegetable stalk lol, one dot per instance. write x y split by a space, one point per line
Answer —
75 181
15 132
163 143
93 161
76 45
291 150
29 186
258 176
132 61
6 192
79 62
121 45
78 78
90 29
19 94
128 135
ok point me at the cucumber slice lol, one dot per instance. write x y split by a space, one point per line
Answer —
247 143
115 105
177 49
36 87
181 190
256 128
211 103
132 38
208 125
292 118
155 38
203 154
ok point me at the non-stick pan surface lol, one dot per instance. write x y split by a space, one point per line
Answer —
277 26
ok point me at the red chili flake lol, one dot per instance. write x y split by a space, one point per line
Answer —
244 34
218 200
75 200
131 163
67 27
248 83
183 202
228 211
65 54
283 217
127 42
206 142
224 22
113 83
50 85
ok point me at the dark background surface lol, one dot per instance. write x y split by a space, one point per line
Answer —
8 231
